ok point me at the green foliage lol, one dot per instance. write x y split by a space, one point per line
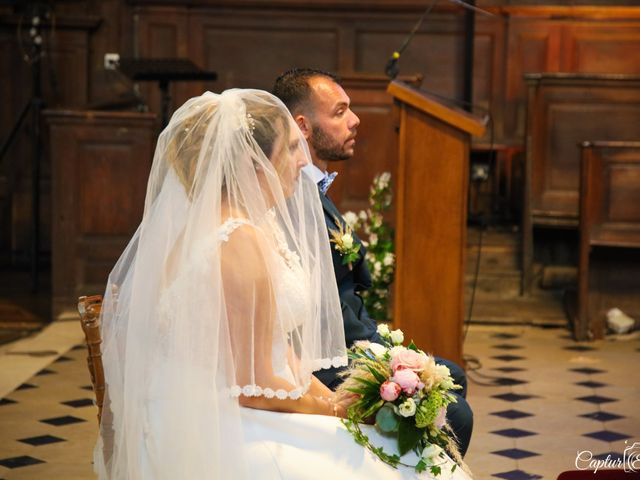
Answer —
387 420
378 239
408 435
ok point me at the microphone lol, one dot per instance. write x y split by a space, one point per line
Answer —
393 68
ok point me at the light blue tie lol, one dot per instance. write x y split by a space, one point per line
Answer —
326 182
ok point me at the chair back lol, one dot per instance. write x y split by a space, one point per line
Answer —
89 309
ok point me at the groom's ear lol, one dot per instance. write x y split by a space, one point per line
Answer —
303 125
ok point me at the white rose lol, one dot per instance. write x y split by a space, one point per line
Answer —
407 408
373 239
431 451
377 349
388 259
397 337
377 267
383 330
351 219
443 377
347 240
362 215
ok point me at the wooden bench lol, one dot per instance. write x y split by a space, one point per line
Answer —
563 111
609 253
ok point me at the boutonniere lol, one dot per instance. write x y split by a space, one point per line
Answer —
344 244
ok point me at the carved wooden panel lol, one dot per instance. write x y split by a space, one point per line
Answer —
100 166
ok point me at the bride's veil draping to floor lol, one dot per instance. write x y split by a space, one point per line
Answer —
191 312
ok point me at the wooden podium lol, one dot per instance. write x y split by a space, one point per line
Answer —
431 219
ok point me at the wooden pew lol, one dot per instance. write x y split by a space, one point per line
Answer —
609 261
563 110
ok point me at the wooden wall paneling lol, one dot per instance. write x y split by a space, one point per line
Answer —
248 51
489 73
101 163
602 47
558 106
561 104
14 173
64 81
434 52
162 32
114 35
65 71
533 46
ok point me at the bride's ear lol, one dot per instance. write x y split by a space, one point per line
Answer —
303 125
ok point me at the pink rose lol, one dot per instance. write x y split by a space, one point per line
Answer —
408 380
389 391
403 358
441 418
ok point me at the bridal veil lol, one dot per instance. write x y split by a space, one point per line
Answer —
195 311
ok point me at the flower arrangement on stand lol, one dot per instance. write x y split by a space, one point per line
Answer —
407 393
380 256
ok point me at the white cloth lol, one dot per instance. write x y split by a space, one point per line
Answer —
293 446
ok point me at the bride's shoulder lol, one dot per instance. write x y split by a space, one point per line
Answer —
242 243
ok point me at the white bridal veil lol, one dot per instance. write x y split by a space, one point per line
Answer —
200 307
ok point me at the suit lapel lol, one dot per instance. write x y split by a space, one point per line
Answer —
330 211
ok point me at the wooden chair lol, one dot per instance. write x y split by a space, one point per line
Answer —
89 309
609 252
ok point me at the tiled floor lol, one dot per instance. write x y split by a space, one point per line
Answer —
538 398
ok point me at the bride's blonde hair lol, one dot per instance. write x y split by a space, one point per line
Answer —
265 123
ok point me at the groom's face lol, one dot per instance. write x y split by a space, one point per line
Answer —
333 126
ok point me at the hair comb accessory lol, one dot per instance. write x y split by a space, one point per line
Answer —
251 123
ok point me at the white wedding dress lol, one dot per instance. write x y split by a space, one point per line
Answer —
296 446
281 446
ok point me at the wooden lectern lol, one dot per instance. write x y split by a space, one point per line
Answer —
431 219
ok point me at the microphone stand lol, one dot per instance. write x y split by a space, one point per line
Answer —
34 106
392 69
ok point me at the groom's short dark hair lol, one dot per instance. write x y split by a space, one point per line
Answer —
292 87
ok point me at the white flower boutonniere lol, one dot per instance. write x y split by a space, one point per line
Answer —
344 243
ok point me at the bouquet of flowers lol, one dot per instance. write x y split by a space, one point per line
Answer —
380 256
407 393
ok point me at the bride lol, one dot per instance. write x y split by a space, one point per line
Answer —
221 308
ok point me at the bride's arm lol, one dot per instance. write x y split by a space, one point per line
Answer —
251 309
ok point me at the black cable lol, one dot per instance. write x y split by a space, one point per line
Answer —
483 226
472 369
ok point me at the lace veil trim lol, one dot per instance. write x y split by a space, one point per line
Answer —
281 393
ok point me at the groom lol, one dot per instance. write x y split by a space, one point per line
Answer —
321 108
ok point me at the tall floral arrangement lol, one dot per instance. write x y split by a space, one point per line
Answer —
378 238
